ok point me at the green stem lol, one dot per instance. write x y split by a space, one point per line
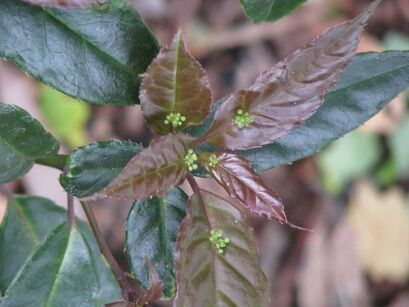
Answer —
56 161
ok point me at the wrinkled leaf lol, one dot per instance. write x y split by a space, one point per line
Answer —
62 3
368 84
93 54
154 171
151 231
290 92
175 83
207 278
91 168
348 158
66 116
29 219
241 182
61 272
269 10
22 140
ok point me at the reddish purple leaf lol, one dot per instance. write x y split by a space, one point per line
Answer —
155 285
154 171
236 176
206 277
175 83
62 3
290 92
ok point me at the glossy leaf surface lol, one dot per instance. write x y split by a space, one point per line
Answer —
207 278
151 231
61 272
28 220
175 83
62 3
22 140
93 54
236 176
154 171
368 84
290 92
269 10
92 167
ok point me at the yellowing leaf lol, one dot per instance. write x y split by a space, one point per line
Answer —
381 223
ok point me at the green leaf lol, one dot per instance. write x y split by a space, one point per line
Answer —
154 171
66 116
175 90
22 140
28 220
61 272
206 277
93 54
269 10
288 94
368 84
91 168
399 145
241 182
62 3
348 158
151 231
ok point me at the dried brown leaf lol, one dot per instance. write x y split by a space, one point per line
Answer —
290 92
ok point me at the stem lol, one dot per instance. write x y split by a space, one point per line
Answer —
192 182
70 210
127 289
56 161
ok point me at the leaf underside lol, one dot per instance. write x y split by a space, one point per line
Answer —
22 140
236 176
290 92
175 83
206 278
154 171
151 231
269 10
94 54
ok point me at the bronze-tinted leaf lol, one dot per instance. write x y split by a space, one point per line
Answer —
237 177
175 83
62 3
154 171
155 285
290 92
208 278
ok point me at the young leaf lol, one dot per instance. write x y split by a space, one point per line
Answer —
22 140
93 54
62 3
28 220
269 10
175 91
368 84
151 231
92 167
237 177
288 94
207 277
61 272
154 171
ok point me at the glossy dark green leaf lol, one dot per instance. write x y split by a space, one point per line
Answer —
151 231
269 10
62 3
206 277
241 182
90 168
93 54
175 83
61 272
369 83
154 171
288 94
22 140
28 220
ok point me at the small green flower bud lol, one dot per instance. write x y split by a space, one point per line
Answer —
217 239
175 119
242 119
